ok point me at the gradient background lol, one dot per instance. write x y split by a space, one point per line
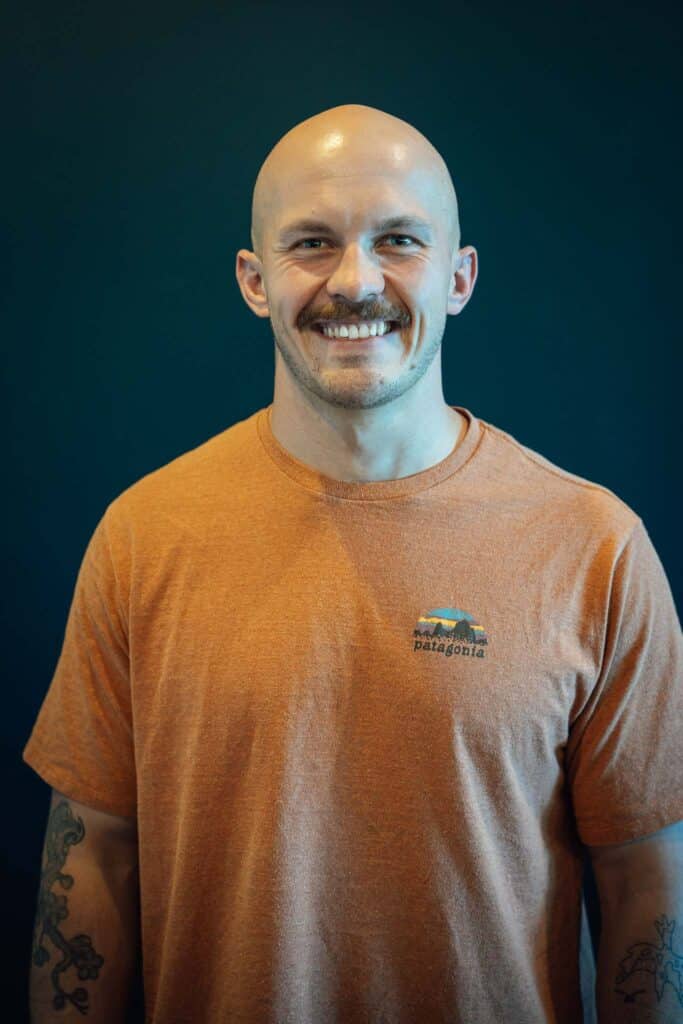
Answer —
133 136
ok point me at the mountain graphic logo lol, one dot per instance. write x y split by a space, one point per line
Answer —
450 631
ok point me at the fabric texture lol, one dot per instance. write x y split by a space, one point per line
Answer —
365 728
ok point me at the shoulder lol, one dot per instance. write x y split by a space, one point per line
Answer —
188 486
578 505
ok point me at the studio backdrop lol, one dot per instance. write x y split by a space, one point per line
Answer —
133 138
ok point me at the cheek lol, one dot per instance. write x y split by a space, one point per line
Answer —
297 277
297 292
415 284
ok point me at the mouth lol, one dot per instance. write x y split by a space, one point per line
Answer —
354 333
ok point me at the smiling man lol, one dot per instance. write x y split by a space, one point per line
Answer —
357 263
348 691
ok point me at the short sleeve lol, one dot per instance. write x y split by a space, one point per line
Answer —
624 752
82 739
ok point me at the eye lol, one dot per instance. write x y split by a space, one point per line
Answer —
408 238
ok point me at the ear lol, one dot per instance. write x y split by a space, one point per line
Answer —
249 273
463 280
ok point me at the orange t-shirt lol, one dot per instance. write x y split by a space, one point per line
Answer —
366 727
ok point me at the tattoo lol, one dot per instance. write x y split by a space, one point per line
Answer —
660 961
63 831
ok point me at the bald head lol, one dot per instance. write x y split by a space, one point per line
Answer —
345 140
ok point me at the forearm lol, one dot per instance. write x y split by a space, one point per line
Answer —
640 958
86 943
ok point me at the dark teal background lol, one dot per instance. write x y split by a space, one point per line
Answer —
133 134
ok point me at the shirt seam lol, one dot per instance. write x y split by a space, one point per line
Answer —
565 475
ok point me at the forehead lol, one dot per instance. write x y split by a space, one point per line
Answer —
356 201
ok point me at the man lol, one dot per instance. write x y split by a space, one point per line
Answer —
354 684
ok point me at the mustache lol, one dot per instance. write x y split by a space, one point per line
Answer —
342 314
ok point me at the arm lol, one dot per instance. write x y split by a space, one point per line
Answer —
86 935
640 958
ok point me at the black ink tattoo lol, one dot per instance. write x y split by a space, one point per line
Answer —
630 997
63 831
665 966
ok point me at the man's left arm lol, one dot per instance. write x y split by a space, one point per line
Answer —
640 957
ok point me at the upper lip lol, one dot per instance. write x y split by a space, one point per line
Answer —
358 320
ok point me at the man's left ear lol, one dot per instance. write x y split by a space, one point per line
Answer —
463 280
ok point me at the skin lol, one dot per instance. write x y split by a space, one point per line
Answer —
358 412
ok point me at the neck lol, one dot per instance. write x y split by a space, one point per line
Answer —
405 436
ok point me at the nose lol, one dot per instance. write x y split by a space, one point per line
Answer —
356 276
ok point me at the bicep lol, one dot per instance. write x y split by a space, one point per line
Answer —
98 822
78 834
647 863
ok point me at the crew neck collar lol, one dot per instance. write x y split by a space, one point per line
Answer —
313 480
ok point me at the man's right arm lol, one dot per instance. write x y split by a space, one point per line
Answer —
86 941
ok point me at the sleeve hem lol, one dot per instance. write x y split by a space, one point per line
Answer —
75 788
605 834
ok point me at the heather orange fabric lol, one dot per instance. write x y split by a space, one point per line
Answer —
365 727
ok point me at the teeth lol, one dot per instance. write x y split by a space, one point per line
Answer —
365 330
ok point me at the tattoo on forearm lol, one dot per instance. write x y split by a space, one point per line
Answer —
63 831
649 968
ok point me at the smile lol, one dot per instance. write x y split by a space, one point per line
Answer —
354 331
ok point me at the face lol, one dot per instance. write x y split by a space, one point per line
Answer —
361 242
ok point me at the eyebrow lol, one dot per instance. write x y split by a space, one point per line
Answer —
388 224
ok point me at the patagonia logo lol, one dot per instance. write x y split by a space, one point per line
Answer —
450 631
